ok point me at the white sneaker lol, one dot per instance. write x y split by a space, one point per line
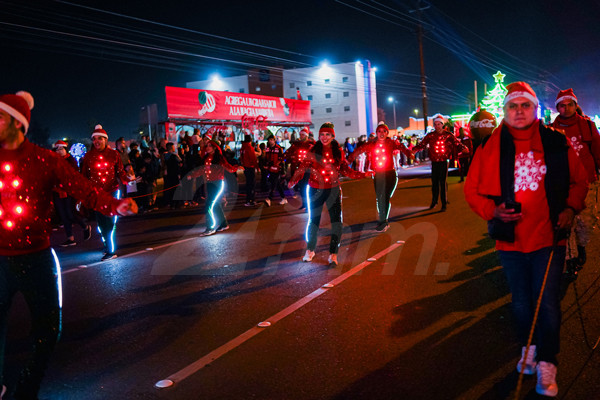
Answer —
530 363
283 201
268 202
546 379
332 260
308 256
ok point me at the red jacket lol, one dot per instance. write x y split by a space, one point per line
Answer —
584 138
28 175
324 171
104 168
213 172
441 146
248 156
274 158
534 230
381 153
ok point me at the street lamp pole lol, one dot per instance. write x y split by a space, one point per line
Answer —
393 101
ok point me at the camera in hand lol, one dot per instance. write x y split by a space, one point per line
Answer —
513 205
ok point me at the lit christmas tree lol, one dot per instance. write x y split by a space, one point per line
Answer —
494 99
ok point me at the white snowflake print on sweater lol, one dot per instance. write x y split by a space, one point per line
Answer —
528 172
577 145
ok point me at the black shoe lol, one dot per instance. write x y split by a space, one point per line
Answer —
382 227
208 232
222 228
443 208
108 256
87 232
432 205
68 242
572 269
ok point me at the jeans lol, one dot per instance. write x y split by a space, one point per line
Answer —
525 274
332 198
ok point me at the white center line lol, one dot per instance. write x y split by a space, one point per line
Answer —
232 344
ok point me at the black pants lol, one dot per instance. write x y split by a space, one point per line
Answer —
106 226
385 184
439 173
66 213
316 199
215 217
275 183
302 185
250 174
36 277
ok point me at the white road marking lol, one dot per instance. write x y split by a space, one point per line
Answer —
232 344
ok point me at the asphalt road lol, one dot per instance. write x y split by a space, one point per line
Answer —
418 312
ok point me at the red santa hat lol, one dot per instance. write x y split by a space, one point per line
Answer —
60 143
327 127
439 118
382 124
18 106
520 89
98 131
565 95
304 131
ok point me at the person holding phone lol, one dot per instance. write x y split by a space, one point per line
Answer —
528 183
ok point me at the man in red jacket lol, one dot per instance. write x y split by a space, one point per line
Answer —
584 138
250 163
27 263
442 145
102 165
528 183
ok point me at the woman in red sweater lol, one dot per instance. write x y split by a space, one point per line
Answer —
326 163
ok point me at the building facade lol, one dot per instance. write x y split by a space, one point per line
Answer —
344 94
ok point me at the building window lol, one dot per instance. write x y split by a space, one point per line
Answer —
258 88
346 94
327 95
346 108
328 110
312 111
327 80
347 123
292 85
344 79
309 97
273 87
308 83
241 90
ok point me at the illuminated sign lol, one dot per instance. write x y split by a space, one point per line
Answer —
195 104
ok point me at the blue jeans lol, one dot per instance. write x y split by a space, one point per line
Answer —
525 274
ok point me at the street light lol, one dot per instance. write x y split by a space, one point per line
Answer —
416 112
393 101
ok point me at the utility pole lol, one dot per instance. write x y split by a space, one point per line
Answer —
423 78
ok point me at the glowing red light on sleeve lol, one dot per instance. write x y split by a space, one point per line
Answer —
7 167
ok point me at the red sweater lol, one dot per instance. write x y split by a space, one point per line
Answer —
248 156
28 175
215 172
297 152
441 146
104 168
325 172
534 230
584 138
381 153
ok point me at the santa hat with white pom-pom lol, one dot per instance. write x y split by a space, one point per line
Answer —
18 106
98 131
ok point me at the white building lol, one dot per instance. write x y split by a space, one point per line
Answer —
344 94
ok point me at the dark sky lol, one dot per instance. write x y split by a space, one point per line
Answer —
84 66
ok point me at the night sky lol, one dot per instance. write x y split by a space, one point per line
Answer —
86 66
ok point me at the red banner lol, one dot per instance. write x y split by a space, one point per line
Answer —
195 104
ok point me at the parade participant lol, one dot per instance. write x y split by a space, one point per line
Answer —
27 263
381 153
295 155
64 204
102 165
464 159
326 163
584 137
481 125
249 160
528 183
212 167
441 144
274 163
